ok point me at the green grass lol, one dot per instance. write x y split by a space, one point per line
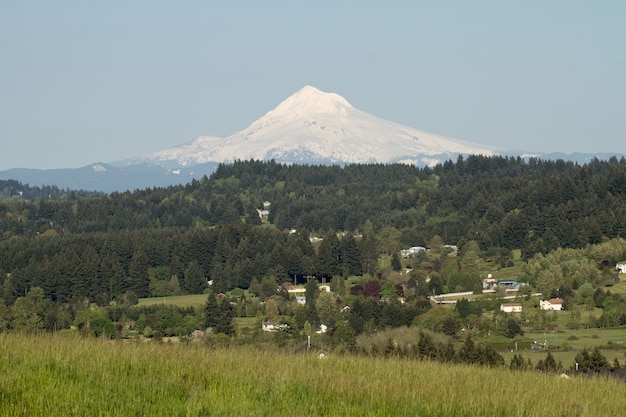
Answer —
564 344
512 272
618 288
177 300
71 376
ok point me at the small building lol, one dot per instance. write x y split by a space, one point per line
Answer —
412 251
301 299
272 326
263 214
510 284
511 308
489 283
553 304
621 267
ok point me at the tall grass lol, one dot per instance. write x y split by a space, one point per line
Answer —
71 376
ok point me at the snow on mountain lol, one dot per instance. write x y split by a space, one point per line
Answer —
312 126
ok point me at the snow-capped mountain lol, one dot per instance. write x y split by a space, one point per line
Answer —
312 126
309 127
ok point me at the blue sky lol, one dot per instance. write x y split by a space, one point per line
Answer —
84 82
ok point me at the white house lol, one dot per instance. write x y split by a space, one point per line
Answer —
553 304
511 308
263 213
621 267
412 251
489 283
272 326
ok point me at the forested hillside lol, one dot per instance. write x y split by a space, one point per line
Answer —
535 206
73 245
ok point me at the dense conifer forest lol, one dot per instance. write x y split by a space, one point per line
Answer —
255 225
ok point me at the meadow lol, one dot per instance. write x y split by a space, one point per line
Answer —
190 300
74 376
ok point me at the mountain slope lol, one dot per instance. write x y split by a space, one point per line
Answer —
314 126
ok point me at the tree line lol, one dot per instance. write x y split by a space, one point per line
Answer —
500 202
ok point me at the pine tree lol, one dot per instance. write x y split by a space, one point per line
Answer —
396 265
211 312
468 352
195 283
517 363
426 346
226 318
550 364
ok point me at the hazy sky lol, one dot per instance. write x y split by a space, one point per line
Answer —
84 82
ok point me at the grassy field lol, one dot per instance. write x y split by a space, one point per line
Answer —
564 345
72 376
178 300
619 288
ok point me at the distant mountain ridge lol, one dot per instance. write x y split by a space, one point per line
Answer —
309 127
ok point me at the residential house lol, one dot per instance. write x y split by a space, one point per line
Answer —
273 326
553 304
489 283
263 214
511 308
412 251
510 284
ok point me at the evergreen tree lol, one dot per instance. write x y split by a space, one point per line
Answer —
513 328
450 326
344 335
138 275
356 317
195 282
517 363
350 256
592 361
369 253
550 364
396 265
463 307
329 256
426 346
468 352
226 318
487 355
211 312
446 352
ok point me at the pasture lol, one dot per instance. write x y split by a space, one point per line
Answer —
73 376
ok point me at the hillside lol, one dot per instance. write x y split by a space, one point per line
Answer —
108 378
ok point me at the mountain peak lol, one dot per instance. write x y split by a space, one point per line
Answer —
309 101
312 126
